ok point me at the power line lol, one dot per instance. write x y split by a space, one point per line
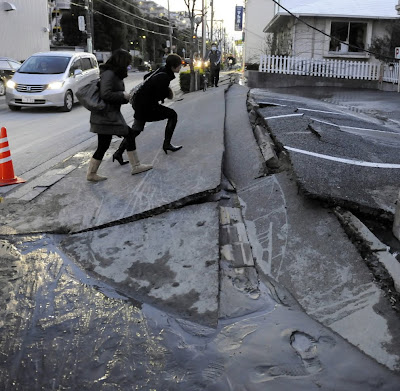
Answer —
135 6
133 15
132 25
330 36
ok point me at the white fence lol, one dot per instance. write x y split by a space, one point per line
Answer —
391 73
329 68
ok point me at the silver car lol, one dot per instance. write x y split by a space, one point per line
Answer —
50 79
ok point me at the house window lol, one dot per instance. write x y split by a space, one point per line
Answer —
352 35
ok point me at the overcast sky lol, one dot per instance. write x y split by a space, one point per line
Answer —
223 9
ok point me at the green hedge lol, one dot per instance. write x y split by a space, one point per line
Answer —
184 79
252 66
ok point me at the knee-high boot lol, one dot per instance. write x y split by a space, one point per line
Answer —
137 167
117 155
169 131
92 171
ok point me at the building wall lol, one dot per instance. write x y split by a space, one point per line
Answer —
258 14
309 43
25 30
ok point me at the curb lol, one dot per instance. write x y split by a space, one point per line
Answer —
373 244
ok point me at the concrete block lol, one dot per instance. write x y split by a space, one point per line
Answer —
266 146
239 292
392 266
360 229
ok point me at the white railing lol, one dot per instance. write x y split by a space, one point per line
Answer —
319 67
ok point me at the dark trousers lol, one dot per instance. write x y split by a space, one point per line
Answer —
104 141
157 113
214 76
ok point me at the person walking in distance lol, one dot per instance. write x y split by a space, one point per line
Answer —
148 108
110 121
214 56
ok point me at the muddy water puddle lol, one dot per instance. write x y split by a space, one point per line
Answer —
63 329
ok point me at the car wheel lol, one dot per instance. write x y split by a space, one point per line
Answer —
68 101
2 88
14 108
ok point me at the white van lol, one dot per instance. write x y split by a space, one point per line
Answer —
51 79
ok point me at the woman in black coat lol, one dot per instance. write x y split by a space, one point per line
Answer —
110 121
147 104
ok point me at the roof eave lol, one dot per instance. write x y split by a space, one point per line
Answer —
269 28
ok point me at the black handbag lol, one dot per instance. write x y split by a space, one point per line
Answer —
89 96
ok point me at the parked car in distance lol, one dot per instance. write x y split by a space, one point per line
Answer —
185 61
8 66
51 79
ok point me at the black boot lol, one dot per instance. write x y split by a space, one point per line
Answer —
118 153
167 146
169 131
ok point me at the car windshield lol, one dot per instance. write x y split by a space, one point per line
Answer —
45 65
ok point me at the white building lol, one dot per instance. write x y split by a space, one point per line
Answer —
24 28
342 28
257 15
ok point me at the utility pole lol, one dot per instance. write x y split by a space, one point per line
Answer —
88 3
204 25
170 30
212 20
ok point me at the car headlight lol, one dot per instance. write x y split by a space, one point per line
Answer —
11 84
55 86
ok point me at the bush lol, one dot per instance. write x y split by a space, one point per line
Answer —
252 66
184 79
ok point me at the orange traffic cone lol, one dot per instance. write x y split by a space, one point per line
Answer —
7 176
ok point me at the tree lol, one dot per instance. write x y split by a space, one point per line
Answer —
69 25
190 4
109 33
383 47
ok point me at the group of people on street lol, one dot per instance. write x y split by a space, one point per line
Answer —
147 108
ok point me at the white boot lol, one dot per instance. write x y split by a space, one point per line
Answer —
135 163
92 171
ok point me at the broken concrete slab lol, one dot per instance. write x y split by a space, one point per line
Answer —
73 204
295 242
266 146
170 261
237 126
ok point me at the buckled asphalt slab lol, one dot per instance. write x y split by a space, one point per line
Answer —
74 204
348 183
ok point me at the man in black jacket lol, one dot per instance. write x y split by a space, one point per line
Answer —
215 64
147 104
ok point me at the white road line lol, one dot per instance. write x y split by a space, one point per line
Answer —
371 130
346 161
285 116
355 128
288 100
324 122
322 111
